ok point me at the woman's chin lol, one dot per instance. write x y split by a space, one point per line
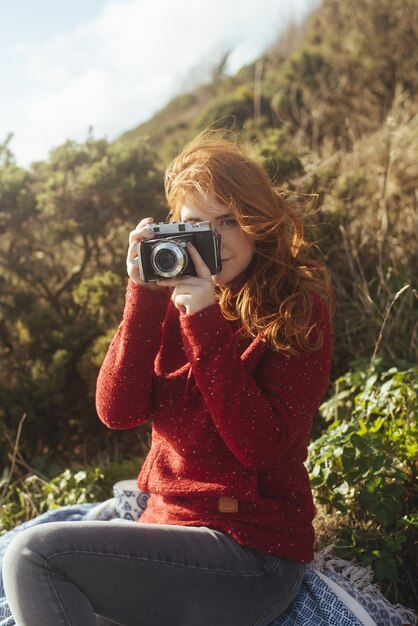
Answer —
219 279
225 278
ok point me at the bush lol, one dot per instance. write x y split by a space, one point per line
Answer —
278 157
34 495
231 109
363 467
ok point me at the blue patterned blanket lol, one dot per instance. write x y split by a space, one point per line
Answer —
333 593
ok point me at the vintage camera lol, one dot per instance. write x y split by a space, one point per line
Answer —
166 256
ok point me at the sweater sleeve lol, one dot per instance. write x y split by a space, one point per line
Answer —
259 418
124 384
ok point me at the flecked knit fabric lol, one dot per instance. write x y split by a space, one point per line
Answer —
230 418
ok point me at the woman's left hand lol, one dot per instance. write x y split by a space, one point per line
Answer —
192 293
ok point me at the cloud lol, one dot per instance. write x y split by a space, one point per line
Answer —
114 71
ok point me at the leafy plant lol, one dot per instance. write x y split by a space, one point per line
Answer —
278 157
34 495
364 465
230 109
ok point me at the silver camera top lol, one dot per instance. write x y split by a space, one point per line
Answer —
178 228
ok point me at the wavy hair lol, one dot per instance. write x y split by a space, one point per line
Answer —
274 297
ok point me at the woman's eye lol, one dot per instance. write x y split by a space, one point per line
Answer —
229 222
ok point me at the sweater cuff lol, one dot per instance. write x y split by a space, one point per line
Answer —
140 300
205 327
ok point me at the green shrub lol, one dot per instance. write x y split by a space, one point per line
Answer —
278 157
363 467
231 109
34 495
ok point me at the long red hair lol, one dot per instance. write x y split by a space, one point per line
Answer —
274 297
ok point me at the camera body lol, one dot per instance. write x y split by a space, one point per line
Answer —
166 256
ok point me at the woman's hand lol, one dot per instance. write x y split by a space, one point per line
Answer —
192 293
137 235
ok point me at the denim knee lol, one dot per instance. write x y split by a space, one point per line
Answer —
27 545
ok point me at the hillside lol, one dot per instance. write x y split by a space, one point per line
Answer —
331 80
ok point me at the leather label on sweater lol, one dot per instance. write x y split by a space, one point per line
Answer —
227 505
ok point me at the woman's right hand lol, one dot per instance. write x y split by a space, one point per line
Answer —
140 232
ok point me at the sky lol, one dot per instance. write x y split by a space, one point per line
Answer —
108 65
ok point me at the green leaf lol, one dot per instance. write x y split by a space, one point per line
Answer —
386 569
393 490
382 514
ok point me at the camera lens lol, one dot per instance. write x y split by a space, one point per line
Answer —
168 259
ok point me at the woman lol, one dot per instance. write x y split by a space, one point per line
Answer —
230 368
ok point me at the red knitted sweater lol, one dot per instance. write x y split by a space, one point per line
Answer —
230 421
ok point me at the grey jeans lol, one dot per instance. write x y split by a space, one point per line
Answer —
90 573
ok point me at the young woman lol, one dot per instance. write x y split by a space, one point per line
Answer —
230 369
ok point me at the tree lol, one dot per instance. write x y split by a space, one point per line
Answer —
64 228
